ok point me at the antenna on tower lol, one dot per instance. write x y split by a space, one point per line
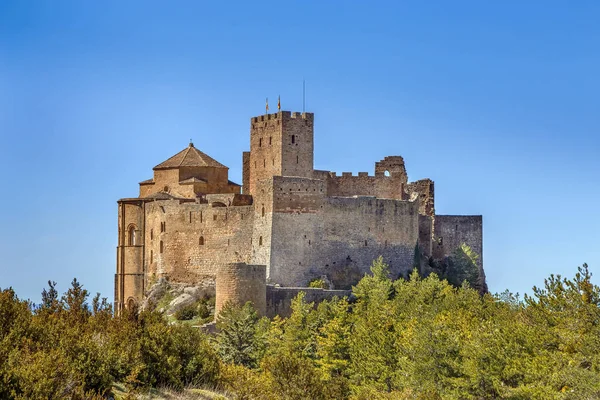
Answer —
303 96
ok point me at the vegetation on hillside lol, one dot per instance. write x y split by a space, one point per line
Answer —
419 338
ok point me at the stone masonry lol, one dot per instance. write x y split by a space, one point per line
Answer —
191 223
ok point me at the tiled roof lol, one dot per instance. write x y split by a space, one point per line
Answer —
147 181
190 157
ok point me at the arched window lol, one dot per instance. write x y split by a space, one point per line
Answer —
201 241
263 211
131 305
260 241
132 236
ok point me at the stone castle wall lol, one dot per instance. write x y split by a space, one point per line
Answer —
333 235
187 240
347 185
279 299
450 231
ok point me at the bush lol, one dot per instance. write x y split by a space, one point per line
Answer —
203 310
318 283
187 313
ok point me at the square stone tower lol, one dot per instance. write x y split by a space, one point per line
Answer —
281 144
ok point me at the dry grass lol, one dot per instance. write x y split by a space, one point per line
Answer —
168 394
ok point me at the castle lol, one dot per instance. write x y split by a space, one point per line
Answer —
302 224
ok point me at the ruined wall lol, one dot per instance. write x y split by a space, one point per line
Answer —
392 166
338 236
239 283
424 190
187 241
450 231
388 183
279 299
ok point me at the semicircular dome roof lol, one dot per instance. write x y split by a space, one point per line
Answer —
190 157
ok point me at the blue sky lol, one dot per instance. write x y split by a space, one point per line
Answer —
497 102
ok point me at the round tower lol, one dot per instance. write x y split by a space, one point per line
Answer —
238 283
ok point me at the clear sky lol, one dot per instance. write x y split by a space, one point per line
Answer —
497 102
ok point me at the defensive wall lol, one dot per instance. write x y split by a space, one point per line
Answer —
238 283
279 299
336 236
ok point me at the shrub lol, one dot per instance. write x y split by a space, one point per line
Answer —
318 283
186 313
203 310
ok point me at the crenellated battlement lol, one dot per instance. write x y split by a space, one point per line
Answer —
283 114
333 174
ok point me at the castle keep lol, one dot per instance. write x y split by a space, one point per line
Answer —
190 221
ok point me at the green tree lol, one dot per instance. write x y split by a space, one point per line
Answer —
240 338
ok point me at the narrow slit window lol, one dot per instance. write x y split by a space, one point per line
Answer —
263 210
260 142
161 247
260 241
270 140
293 139
201 241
